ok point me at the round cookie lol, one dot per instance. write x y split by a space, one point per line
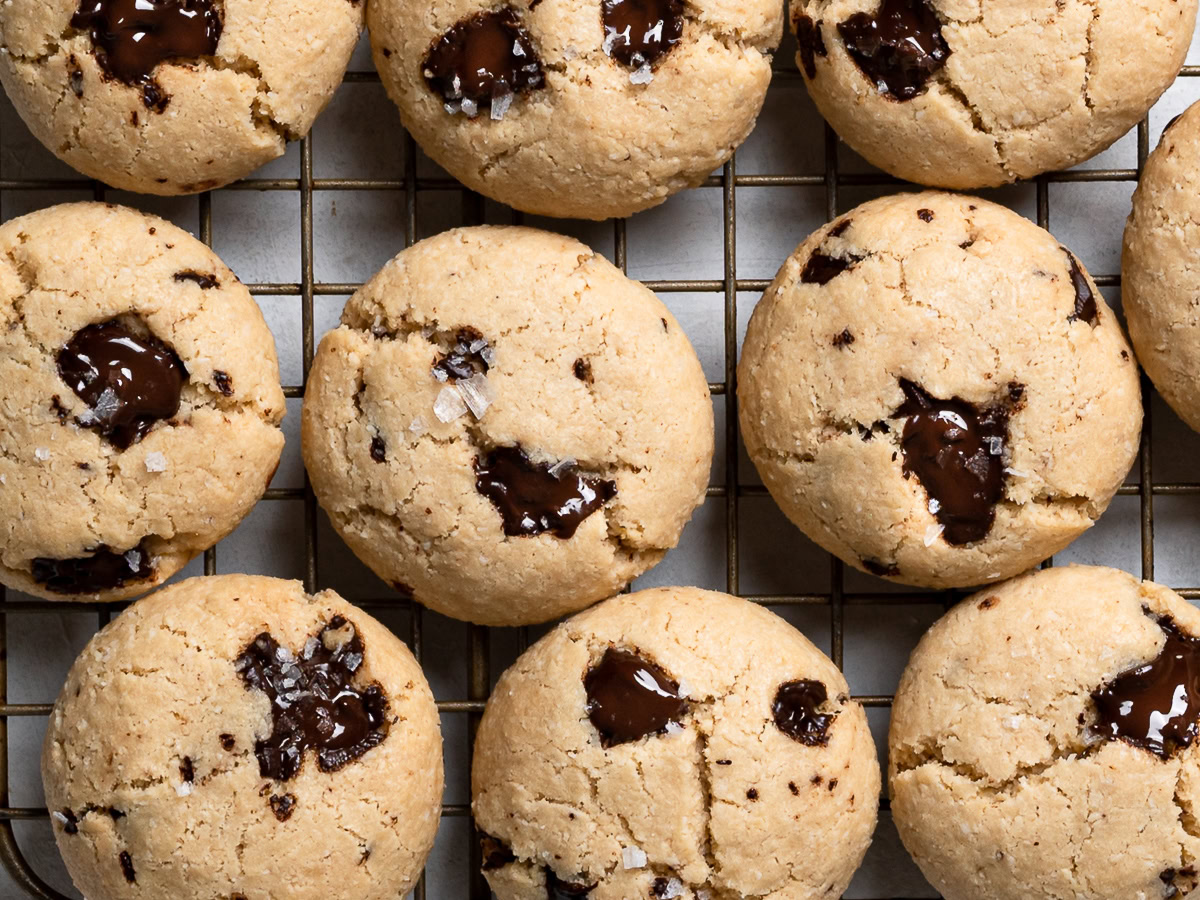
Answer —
143 402
176 96
234 737
577 108
967 95
673 743
934 391
1043 742
1160 279
507 427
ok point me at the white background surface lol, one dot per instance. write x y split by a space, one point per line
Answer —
359 136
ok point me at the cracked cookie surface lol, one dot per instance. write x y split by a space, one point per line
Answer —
610 107
976 93
1004 780
1160 279
933 390
506 426
713 792
145 402
147 99
159 759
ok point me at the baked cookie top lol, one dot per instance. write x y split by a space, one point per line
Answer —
673 743
934 390
234 737
506 426
144 404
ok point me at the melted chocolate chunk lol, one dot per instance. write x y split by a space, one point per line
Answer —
131 37
485 58
102 571
536 498
956 451
822 268
128 381
468 357
1085 300
796 714
630 697
660 887
224 382
899 47
565 890
1155 706
283 805
315 704
126 862
495 853
811 43
378 449
206 282
925 215
641 32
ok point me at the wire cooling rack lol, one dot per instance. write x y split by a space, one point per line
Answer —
838 612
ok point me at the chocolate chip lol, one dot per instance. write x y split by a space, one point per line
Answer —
186 770
378 449
486 58
115 814
206 282
988 602
956 450
752 794
75 76
57 408
224 382
565 890
925 215
641 32
534 498
71 826
883 570
315 703
845 339
660 887
468 357
583 370
283 805
103 570
795 790
1085 301
129 382
127 866
227 741
1156 705
833 783
899 47
494 852
629 697
131 37
822 268
724 762
796 712
811 43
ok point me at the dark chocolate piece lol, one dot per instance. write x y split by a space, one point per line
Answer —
565 890
630 697
315 703
811 43
132 37
822 268
1085 300
227 741
1155 706
206 282
845 339
796 711
127 866
187 771
103 570
494 852
483 60
883 570
129 382
224 382
468 357
283 805
925 215
71 826
899 46
641 32
378 449
956 450
583 370
536 497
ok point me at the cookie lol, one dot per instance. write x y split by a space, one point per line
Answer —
1043 742
174 96
506 427
233 736
1159 281
673 743
578 108
976 94
143 402
934 391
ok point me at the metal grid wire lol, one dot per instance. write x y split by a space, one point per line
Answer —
477 664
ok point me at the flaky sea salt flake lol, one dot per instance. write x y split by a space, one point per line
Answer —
561 467
184 788
633 858
1015 473
470 108
156 462
449 404
932 533
685 689
500 106
477 393
996 446
42 454
642 75
418 426
673 889
673 728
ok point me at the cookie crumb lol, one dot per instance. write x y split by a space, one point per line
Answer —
127 867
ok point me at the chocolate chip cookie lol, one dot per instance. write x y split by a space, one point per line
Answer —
1043 742
173 96
582 108
969 95
673 743
934 390
233 736
144 403
506 427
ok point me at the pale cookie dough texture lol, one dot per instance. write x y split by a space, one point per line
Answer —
142 411
934 391
235 737
178 96
1043 742
674 743
577 108
976 93
507 427
1161 268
